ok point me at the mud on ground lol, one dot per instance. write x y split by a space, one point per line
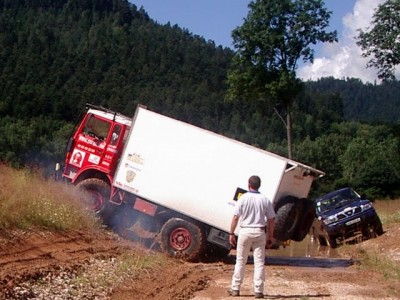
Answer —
39 265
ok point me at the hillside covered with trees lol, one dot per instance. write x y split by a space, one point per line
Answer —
55 56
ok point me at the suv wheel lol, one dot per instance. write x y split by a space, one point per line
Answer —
377 225
331 241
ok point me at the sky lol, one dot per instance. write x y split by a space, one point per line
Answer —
215 19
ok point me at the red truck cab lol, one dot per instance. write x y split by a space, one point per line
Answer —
93 153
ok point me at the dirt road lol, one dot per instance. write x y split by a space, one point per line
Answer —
27 259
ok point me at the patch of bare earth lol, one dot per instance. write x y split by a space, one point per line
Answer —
25 257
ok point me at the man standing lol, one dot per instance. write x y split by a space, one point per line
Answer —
253 211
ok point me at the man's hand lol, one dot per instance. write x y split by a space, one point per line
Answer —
270 242
232 240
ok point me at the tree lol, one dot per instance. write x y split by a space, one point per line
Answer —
372 166
382 41
269 44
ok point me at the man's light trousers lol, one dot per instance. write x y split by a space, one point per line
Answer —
250 238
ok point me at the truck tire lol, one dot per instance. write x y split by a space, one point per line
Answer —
377 225
307 218
366 232
182 239
331 241
288 215
97 195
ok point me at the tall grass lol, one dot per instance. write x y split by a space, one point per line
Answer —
29 200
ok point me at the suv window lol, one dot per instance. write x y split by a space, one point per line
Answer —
337 200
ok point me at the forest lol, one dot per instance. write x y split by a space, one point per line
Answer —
58 55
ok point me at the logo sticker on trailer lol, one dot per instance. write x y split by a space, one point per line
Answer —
239 192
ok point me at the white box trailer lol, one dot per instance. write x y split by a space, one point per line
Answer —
184 182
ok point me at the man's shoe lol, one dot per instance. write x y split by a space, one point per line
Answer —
233 293
259 295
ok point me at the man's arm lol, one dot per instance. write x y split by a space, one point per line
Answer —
271 228
234 222
270 233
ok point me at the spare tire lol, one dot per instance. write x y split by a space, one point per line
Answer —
288 216
307 218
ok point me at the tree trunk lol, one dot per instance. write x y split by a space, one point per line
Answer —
289 133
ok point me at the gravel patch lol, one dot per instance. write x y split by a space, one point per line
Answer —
94 279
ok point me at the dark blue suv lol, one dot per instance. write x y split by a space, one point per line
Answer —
342 215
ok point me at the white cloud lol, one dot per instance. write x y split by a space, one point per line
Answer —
343 59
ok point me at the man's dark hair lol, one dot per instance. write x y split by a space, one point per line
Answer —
255 182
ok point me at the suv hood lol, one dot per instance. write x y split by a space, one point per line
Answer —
356 203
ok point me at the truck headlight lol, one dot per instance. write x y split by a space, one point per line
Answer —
366 206
330 219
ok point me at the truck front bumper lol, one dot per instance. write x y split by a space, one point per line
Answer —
347 227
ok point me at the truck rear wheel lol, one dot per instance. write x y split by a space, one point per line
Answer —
182 239
288 216
307 218
97 194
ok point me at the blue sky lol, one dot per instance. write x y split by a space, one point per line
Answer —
215 20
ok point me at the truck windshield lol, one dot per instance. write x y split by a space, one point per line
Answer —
97 128
337 200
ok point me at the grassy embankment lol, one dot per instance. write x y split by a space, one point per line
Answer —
381 258
30 202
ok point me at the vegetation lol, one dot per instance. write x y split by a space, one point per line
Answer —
27 200
55 56
389 211
30 202
271 41
381 41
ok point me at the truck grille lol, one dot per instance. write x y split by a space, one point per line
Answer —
348 213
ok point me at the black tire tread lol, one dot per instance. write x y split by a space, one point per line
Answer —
285 225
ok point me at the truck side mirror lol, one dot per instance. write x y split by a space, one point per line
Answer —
363 197
69 144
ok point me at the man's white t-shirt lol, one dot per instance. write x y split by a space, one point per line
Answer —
254 209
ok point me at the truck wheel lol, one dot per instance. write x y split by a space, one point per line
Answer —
288 215
331 241
377 225
97 194
366 231
321 240
182 239
307 218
